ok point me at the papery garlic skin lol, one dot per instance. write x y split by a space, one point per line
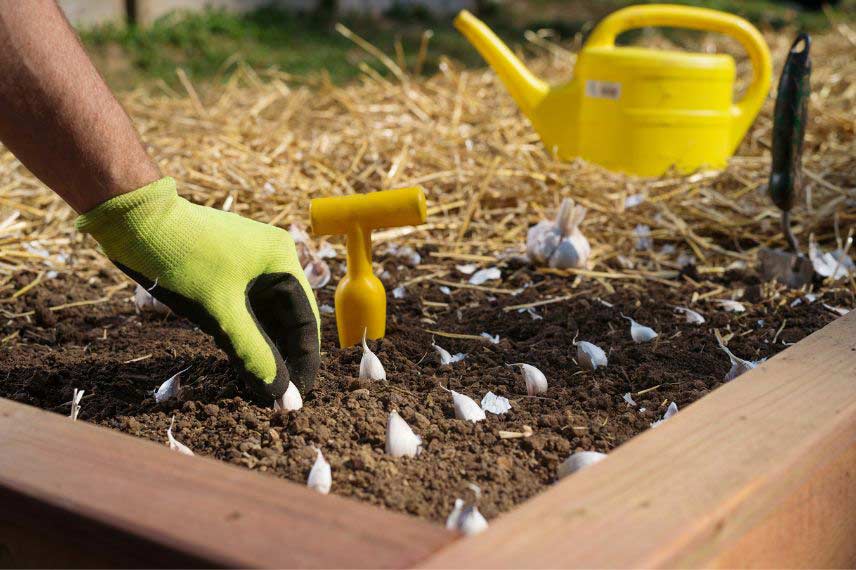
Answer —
738 365
76 397
628 398
590 356
670 411
400 439
495 404
579 460
169 389
445 357
731 306
370 365
465 407
536 382
483 275
320 476
145 301
174 444
290 401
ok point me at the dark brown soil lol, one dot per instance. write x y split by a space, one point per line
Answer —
119 357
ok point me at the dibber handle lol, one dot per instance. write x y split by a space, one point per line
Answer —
384 209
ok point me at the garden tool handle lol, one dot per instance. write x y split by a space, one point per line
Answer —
673 16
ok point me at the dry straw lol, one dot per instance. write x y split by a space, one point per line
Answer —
267 143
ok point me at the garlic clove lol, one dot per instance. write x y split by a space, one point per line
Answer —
174 444
445 290
483 275
495 404
590 356
326 309
738 365
471 521
455 515
76 397
169 389
320 477
465 407
370 366
445 357
536 382
493 339
640 333
409 256
145 302
691 316
629 399
399 292
290 401
400 439
670 411
579 460
731 306
467 269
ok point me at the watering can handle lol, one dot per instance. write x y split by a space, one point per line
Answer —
673 16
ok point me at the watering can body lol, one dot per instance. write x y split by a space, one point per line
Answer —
637 110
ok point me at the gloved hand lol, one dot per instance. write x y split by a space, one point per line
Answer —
239 280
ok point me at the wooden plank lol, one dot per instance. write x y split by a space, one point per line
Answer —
759 473
132 503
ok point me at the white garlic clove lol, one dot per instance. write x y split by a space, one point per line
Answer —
145 302
493 339
465 407
370 366
536 382
76 397
445 290
174 444
326 309
169 389
483 275
640 333
399 292
290 401
495 404
455 515
629 399
738 365
467 269
445 357
320 476
471 521
579 460
409 256
670 411
731 306
400 439
590 356
691 316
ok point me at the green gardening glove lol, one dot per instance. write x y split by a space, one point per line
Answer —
239 280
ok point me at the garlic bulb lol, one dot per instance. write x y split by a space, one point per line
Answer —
670 411
579 460
370 366
692 317
465 407
145 302
536 382
320 477
290 401
640 333
560 244
174 444
590 356
445 357
400 439
76 397
738 365
495 404
169 389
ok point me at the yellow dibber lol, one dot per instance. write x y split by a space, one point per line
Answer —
360 296
637 110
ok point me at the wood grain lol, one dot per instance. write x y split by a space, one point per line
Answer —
95 497
759 473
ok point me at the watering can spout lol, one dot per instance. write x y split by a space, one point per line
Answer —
526 89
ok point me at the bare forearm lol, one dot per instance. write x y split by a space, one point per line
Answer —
56 113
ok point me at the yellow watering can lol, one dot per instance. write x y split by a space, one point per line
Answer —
636 110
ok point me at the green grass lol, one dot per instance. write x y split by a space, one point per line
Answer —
203 43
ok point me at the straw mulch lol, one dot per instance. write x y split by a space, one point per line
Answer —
266 143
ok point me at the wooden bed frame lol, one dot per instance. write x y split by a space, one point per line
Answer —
759 473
